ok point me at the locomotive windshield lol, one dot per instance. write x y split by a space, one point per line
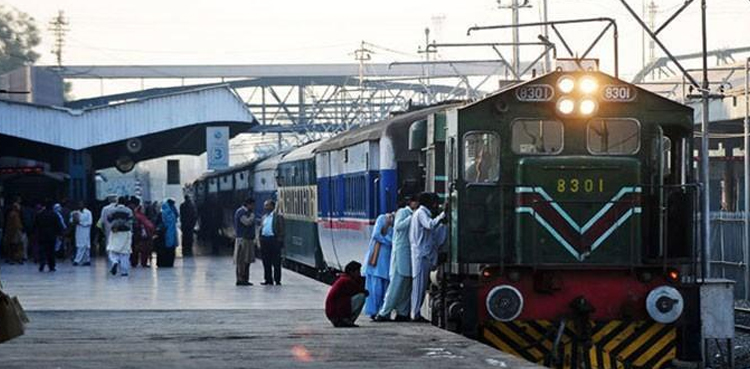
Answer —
535 136
613 136
482 157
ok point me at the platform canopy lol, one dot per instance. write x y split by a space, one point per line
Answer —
144 128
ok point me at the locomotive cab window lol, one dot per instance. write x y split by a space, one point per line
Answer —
536 136
613 136
481 157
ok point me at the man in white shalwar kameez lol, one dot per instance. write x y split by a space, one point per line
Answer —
82 220
103 222
423 249
398 294
120 242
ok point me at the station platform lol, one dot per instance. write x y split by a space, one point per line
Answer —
193 316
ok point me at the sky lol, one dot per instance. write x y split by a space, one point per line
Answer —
298 31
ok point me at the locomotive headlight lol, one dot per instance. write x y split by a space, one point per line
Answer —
504 303
566 105
566 84
587 107
664 304
588 85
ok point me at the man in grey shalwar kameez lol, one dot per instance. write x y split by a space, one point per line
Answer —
398 294
425 233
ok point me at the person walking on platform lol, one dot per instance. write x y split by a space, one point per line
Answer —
271 243
48 229
377 264
346 297
188 218
143 234
398 294
423 249
165 256
82 220
13 235
244 243
120 241
103 223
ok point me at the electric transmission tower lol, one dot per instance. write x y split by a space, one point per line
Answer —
362 55
59 27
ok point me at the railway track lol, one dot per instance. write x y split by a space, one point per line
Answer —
742 320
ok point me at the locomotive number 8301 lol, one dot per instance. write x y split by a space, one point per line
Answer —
574 185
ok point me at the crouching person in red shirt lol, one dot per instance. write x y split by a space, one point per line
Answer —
346 297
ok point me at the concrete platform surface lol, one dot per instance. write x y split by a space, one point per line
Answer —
193 283
276 338
193 316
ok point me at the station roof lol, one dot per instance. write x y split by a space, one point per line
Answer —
79 129
169 124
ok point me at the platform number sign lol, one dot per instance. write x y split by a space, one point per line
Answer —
217 147
618 93
535 93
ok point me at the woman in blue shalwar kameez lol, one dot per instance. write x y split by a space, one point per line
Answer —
377 264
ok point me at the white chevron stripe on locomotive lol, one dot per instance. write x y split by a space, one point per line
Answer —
573 224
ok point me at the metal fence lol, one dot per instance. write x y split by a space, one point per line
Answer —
728 250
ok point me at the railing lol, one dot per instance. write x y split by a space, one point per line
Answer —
728 250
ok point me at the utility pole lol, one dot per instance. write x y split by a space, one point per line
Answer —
361 55
515 6
59 27
705 177
428 98
545 31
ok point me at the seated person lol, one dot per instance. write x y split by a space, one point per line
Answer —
346 297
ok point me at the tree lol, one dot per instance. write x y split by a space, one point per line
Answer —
18 37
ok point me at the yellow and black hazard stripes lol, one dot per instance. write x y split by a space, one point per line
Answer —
612 344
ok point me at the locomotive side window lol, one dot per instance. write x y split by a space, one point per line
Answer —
613 136
481 157
536 136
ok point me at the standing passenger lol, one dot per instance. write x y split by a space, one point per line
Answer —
346 297
423 250
120 241
60 243
169 215
81 218
188 219
398 294
48 228
377 264
271 243
13 235
143 234
244 243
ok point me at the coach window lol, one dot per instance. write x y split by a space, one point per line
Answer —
613 136
537 137
481 157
